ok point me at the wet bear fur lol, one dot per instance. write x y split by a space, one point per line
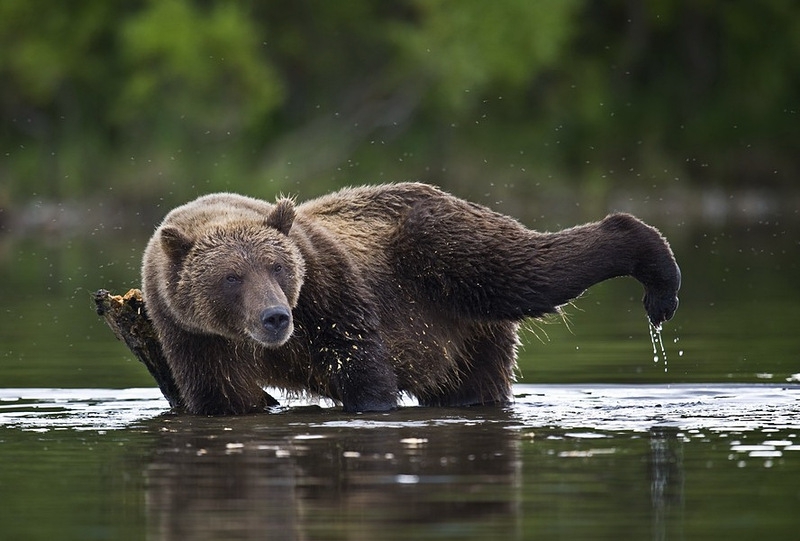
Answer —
370 292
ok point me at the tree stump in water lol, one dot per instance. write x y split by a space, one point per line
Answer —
128 320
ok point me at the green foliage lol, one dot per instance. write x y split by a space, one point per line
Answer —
204 66
466 47
168 98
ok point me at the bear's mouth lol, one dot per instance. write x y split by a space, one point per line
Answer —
271 339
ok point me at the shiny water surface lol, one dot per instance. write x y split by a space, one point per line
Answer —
602 441
565 461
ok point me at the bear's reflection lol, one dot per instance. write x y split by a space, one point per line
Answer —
296 476
308 474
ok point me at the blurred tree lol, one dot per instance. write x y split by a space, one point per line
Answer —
467 48
331 51
174 97
57 70
202 65
94 85
709 87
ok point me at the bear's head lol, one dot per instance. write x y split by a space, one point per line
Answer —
237 278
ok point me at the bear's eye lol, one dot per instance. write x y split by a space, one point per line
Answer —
277 267
233 279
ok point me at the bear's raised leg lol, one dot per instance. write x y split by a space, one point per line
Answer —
481 263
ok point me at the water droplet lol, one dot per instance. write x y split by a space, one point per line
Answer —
658 344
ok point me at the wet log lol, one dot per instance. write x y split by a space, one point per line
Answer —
127 318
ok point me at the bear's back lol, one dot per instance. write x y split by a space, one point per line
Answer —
362 220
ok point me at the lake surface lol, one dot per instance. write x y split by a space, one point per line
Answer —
565 461
602 441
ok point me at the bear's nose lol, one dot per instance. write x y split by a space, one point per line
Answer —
275 319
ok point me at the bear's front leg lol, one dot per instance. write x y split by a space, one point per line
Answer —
355 371
338 323
214 376
366 388
365 383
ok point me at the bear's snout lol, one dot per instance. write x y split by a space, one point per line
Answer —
276 320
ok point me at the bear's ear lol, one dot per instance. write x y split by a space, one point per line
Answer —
174 243
282 216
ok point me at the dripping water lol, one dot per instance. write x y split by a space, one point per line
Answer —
658 344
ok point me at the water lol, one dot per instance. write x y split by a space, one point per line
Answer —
658 345
565 461
600 443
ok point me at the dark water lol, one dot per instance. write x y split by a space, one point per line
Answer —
601 443
566 461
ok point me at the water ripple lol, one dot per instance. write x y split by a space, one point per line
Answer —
635 408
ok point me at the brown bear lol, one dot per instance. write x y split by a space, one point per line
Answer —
371 292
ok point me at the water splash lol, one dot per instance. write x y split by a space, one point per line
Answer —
680 351
658 344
